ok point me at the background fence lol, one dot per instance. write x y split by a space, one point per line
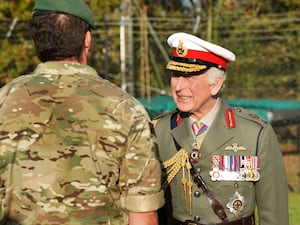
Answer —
132 52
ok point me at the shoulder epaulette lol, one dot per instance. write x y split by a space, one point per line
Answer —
156 119
243 113
164 114
159 116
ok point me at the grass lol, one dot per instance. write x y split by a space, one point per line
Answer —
292 162
294 208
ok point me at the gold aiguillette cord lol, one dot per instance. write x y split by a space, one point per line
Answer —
180 161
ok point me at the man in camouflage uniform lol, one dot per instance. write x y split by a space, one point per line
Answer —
74 148
221 162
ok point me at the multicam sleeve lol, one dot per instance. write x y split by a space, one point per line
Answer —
140 175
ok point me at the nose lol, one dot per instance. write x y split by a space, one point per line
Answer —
180 83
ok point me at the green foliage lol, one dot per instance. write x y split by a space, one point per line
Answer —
16 9
16 59
267 61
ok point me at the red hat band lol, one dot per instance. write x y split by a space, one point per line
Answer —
205 56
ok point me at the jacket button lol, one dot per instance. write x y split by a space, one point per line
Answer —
197 194
197 218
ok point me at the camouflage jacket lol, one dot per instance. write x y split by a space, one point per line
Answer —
74 149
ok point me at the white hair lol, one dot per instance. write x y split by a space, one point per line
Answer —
213 74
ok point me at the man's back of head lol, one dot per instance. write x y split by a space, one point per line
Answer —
58 29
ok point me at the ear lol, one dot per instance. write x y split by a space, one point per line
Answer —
86 52
216 87
88 41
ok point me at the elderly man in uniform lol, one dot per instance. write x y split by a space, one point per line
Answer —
75 149
220 162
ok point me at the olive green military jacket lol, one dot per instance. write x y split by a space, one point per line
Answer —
250 136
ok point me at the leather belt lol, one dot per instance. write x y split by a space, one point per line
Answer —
249 220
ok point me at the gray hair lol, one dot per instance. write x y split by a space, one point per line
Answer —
213 73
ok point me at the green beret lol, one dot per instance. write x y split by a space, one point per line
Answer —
73 7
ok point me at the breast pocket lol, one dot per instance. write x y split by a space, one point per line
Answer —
238 197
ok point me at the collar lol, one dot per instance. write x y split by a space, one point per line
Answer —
65 68
209 117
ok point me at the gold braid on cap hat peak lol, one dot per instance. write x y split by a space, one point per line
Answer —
185 67
180 161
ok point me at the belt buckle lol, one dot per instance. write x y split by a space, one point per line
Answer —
191 223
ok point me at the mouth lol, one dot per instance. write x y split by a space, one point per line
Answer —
183 99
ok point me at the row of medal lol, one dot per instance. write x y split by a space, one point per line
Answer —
234 168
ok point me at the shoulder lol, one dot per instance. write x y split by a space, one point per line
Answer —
163 118
248 116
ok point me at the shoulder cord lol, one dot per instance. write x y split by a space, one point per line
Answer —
198 180
180 161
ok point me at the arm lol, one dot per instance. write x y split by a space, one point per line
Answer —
143 218
271 189
140 170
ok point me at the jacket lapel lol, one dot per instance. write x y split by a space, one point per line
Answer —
183 134
217 135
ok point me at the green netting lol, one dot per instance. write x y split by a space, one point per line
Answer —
269 109
268 104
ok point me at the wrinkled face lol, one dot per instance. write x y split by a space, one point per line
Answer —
194 94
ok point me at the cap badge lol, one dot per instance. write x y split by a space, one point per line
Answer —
181 50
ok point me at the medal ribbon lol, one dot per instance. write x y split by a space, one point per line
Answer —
236 163
198 128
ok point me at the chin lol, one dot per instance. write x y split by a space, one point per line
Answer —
184 108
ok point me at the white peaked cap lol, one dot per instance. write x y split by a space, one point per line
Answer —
192 54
